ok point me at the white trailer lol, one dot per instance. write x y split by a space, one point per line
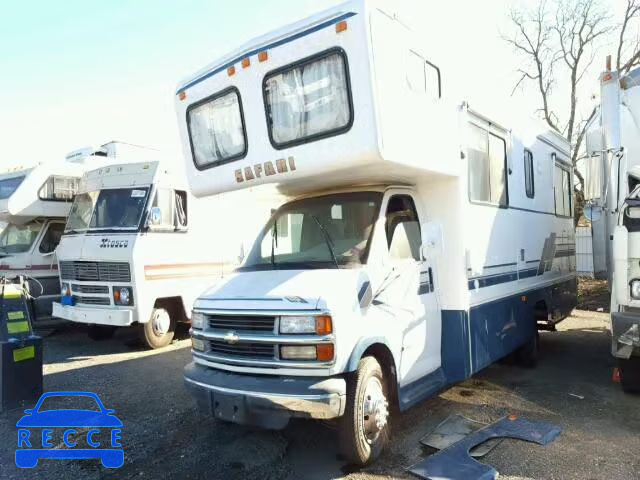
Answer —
422 240
138 249
612 177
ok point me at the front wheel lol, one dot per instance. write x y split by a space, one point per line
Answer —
158 331
365 429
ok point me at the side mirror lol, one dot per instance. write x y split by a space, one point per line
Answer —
155 216
432 240
592 212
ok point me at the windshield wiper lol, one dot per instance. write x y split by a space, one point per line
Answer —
328 241
274 243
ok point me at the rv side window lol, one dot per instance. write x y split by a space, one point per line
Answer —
163 200
51 238
487 167
403 228
422 76
216 129
562 191
528 174
59 188
308 100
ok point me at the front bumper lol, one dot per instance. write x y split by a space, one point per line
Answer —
625 334
113 317
264 401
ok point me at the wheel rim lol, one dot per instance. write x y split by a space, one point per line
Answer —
160 322
375 410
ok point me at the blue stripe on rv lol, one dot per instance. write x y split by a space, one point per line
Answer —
278 43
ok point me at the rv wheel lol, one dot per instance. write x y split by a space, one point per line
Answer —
630 374
365 425
101 332
158 331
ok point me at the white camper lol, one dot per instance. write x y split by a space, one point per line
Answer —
138 249
612 177
422 240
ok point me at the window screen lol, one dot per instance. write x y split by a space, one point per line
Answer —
59 188
308 100
487 167
216 129
562 191
528 174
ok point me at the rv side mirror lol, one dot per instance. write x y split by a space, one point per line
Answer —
155 216
432 240
592 212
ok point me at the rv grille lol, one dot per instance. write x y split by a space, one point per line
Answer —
89 288
242 323
95 271
242 350
92 300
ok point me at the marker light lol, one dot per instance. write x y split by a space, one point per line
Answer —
263 56
231 71
246 62
341 26
324 353
182 96
324 325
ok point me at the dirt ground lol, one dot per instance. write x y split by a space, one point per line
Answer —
593 295
165 437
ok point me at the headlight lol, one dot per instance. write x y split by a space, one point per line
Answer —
198 344
322 353
123 296
65 291
320 325
635 289
198 320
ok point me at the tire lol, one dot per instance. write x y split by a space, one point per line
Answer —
362 438
630 374
527 355
159 330
101 332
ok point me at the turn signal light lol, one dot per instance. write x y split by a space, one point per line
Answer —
246 62
324 325
341 26
324 353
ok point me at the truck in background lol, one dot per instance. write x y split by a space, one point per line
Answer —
612 189
138 249
421 242
34 204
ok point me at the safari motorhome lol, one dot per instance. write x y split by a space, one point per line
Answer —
138 249
421 240
613 191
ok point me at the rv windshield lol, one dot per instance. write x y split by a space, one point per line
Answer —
331 231
112 209
9 185
18 238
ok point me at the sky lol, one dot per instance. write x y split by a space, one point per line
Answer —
84 72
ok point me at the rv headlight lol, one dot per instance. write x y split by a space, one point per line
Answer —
320 324
198 320
65 291
290 352
123 296
198 344
635 289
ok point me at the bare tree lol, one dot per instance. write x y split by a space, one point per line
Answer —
629 48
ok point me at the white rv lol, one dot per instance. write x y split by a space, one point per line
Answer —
421 241
34 203
138 249
613 191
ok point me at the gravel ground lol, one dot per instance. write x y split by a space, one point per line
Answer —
164 436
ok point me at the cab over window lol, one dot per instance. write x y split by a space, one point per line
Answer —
403 228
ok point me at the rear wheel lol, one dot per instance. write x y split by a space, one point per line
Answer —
630 374
365 429
101 332
158 331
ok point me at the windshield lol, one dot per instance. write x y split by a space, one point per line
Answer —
18 238
9 185
116 209
322 232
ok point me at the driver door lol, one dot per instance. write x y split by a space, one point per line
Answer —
413 289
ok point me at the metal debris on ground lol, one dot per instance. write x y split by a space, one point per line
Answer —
454 462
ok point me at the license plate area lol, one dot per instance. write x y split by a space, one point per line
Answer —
230 408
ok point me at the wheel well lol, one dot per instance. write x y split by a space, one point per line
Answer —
174 306
541 310
384 357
